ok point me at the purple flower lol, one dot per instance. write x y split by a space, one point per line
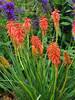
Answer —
73 1
44 5
9 10
2 1
9 6
44 1
10 14
1 7
1 4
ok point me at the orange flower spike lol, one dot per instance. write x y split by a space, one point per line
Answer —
27 25
67 59
11 29
9 25
43 25
37 46
19 36
53 52
19 33
16 33
56 17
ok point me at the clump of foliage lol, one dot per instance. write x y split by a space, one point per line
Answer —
37 61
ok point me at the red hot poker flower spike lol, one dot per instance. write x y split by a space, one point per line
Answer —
56 17
27 25
43 25
37 46
53 52
15 32
67 59
19 36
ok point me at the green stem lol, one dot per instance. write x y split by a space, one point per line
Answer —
24 65
42 39
20 60
56 74
56 37
66 77
58 33
61 91
27 41
24 87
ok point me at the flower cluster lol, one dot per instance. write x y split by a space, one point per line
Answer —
44 5
27 25
9 10
1 4
37 47
73 1
53 52
45 1
16 32
67 59
43 25
56 18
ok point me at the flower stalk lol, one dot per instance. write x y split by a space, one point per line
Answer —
55 82
56 19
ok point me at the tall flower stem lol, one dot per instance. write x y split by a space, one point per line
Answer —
56 37
66 77
28 41
56 19
24 86
56 74
58 33
43 39
20 59
63 84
